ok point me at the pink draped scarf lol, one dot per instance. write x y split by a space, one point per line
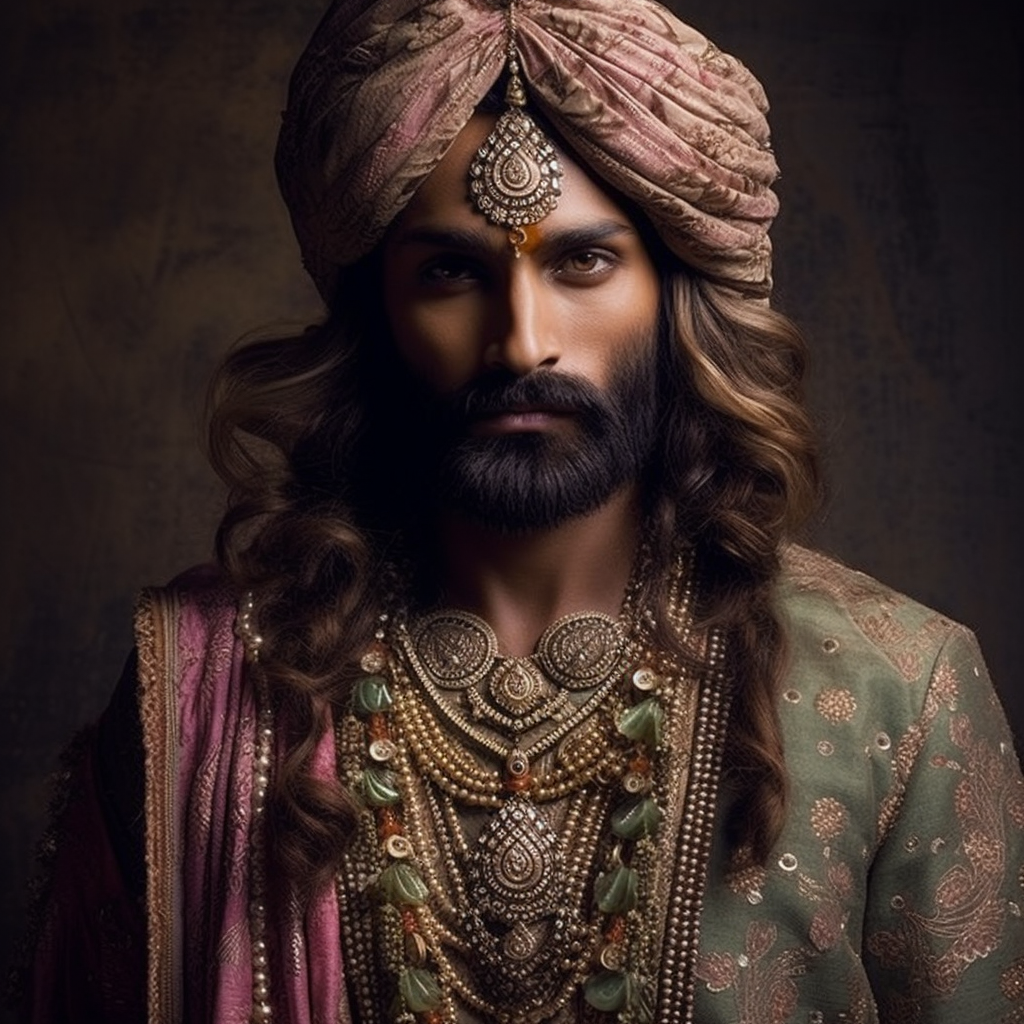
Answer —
199 710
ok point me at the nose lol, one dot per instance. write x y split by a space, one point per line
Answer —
525 334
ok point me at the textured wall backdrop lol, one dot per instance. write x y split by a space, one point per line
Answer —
142 234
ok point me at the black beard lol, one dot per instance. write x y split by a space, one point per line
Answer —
534 480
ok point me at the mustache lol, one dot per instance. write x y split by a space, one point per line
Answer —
499 391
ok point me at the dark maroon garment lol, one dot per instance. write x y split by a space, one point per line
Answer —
85 959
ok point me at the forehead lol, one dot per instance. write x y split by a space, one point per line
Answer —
443 197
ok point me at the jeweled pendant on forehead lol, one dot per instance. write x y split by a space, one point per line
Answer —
516 178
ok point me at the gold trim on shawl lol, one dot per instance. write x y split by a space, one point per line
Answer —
156 637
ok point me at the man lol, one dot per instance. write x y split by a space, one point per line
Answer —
511 699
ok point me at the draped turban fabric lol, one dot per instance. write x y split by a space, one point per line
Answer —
646 102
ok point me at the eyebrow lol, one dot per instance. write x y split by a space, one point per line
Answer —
479 241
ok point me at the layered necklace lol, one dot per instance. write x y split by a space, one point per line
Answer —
508 867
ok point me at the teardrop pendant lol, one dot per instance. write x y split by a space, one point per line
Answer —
400 884
419 989
371 695
515 178
606 991
379 787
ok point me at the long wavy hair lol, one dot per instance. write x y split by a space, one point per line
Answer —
302 429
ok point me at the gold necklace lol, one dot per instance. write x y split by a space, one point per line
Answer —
527 906
450 653
453 654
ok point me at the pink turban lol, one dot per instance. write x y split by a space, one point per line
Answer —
646 102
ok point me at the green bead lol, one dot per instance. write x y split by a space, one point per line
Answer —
644 722
401 885
615 891
379 788
635 819
371 694
606 991
419 989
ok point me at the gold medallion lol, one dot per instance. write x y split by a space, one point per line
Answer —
515 178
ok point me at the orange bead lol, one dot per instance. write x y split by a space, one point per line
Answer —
432 1017
409 923
640 764
518 783
616 930
388 823
391 828
377 727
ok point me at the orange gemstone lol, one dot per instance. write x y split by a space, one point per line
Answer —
616 931
432 1017
389 823
409 923
640 764
518 783
391 828
377 727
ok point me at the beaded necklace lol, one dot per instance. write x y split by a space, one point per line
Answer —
634 838
550 896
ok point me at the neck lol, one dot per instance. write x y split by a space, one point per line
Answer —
521 583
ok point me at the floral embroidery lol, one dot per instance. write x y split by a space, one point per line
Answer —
827 926
835 705
833 895
884 630
765 992
861 1005
828 817
1011 984
718 971
945 687
872 607
745 878
943 692
969 915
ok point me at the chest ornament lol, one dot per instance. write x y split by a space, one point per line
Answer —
513 831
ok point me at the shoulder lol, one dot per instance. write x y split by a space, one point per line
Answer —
829 608
866 659
187 641
199 601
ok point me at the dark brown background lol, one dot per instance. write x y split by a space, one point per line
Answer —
142 233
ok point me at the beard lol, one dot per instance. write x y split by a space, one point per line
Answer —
533 480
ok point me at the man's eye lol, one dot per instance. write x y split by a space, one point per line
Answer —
447 270
587 263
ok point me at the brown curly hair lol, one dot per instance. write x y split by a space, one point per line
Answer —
300 428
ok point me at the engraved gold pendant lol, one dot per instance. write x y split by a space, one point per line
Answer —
515 178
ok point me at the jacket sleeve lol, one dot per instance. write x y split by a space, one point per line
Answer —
944 937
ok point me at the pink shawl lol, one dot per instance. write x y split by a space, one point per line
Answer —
199 712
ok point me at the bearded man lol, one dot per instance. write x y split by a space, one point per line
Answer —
511 699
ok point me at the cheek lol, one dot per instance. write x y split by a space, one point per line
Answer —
437 342
626 319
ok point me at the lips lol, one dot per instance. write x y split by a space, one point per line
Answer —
517 418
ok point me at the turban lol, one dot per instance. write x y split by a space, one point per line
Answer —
647 103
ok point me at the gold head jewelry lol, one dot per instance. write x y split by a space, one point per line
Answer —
515 178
